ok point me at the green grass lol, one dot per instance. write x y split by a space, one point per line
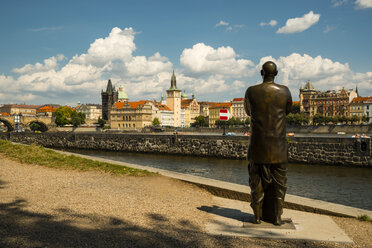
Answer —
38 155
365 217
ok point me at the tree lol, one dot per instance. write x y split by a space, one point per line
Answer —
63 115
354 118
335 119
77 118
295 108
200 121
101 122
156 122
66 115
247 121
35 126
365 119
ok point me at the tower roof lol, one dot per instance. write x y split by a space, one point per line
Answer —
109 87
309 86
122 94
173 82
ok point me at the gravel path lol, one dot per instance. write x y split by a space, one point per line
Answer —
43 207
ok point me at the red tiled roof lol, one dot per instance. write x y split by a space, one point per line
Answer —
361 99
133 105
238 99
296 102
46 109
221 105
5 114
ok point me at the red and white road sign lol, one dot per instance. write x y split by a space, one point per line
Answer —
224 114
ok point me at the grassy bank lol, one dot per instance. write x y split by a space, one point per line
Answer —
34 154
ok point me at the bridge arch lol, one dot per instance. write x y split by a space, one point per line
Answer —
43 126
7 124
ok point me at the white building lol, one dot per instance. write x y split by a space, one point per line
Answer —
92 111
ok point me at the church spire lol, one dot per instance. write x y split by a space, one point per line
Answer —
356 90
109 86
173 82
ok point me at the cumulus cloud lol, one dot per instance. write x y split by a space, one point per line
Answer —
299 24
84 75
202 59
363 4
222 23
49 64
271 23
325 74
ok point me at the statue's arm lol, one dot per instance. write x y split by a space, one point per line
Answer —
289 102
247 106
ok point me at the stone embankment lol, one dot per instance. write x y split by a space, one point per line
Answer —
314 150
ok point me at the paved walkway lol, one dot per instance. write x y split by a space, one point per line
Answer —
43 207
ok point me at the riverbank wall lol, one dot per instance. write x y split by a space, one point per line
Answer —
312 150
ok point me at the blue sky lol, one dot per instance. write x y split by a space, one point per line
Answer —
65 51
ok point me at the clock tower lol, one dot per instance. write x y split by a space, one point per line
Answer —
174 101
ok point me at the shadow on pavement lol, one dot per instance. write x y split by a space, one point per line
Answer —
22 228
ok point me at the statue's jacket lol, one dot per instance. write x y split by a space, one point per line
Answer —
268 104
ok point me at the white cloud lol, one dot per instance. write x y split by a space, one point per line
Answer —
336 3
202 59
119 45
271 23
325 74
222 23
299 24
86 74
363 4
49 64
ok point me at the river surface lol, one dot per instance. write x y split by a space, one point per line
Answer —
344 185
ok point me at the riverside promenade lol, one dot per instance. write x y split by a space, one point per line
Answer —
44 207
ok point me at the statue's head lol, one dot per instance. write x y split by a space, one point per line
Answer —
269 69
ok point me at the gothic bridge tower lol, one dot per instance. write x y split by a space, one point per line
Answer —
109 97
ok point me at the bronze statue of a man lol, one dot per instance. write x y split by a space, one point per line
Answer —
268 104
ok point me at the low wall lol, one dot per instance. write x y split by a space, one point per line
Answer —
317 150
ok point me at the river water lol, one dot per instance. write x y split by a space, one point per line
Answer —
344 185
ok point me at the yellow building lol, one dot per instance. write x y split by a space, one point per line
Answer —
131 115
357 106
191 110
214 112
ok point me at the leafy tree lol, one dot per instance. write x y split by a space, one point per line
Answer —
101 122
295 108
77 118
354 118
365 119
156 122
200 121
318 119
247 121
335 119
343 119
63 115
66 115
35 126
327 119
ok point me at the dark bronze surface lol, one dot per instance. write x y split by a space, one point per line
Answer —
268 104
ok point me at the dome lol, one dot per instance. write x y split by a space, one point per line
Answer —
121 93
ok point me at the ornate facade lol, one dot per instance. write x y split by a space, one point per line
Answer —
131 115
328 103
238 109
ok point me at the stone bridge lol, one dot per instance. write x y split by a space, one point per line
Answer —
25 121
